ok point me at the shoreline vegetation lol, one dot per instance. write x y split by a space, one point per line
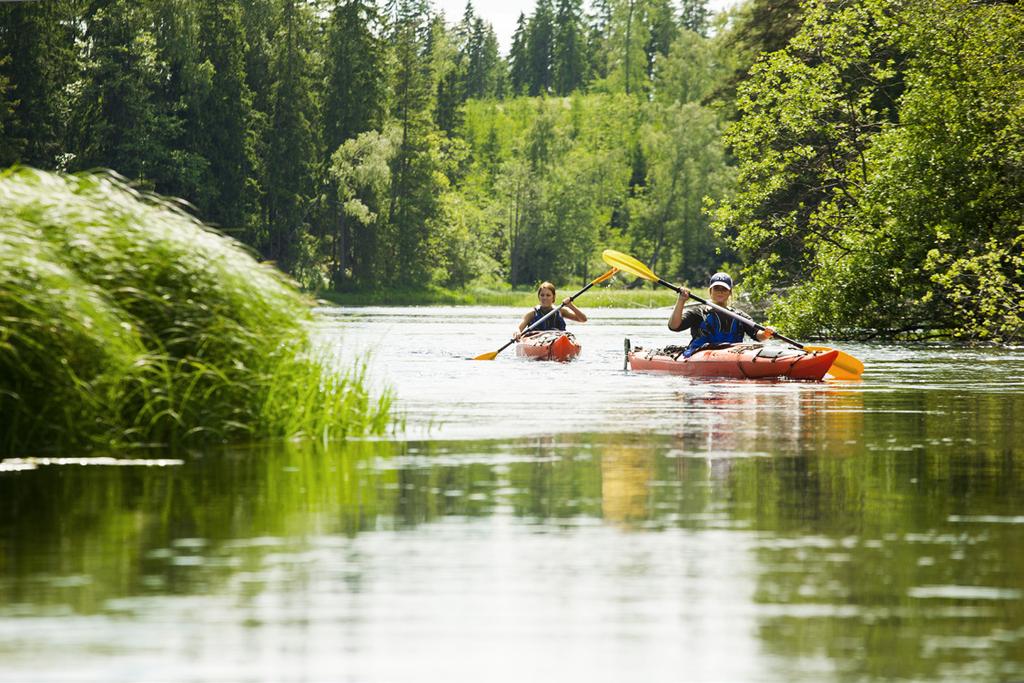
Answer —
125 322
481 296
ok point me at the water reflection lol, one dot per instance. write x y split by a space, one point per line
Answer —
832 558
613 527
627 478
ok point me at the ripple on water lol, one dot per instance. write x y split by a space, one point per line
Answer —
955 592
21 464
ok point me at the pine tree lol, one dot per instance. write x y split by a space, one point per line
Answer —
414 199
494 64
627 56
10 147
221 116
464 29
693 16
354 101
659 16
291 147
539 47
482 61
569 50
183 78
356 88
599 35
448 70
37 62
115 121
519 58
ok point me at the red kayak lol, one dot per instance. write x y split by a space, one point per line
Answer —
550 345
741 361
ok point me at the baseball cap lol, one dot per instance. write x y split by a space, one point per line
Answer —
722 280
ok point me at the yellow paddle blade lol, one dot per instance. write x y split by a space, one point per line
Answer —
838 372
845 366
487 356
627 263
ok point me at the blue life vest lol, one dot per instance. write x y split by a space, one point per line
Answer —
555 322
711 333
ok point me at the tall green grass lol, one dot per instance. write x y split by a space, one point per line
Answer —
125 321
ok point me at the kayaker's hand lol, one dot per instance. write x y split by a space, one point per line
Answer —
517 336
768 332
684 294
566 301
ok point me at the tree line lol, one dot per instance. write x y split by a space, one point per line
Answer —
859 160
362 145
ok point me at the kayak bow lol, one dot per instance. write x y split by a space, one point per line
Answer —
549 345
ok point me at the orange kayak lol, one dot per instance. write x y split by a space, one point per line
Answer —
550 345
741 361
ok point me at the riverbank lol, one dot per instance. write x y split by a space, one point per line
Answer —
523 298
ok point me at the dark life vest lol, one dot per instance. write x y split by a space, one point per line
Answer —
712 333
555 322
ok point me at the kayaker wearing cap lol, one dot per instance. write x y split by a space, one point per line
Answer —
546 296
709 327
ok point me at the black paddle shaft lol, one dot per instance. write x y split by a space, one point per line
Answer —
729 313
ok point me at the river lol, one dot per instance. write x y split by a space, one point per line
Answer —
546 522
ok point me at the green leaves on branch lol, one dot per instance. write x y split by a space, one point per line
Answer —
880 170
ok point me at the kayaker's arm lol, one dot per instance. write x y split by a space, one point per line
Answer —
675 321
524 323
752 329
573 313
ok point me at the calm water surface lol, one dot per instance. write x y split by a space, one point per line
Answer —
549 522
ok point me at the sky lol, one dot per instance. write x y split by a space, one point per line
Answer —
502 14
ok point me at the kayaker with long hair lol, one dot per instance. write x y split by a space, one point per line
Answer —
546 296
708 327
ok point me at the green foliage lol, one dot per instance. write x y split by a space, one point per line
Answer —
984 286
356 76
628 38
521 298
694 15
659 16
518 59
569 57
540 49
116 121
460 248
549 194
221 114
272 118
686 163
37 61
880 170
950 178
292 147
694 69
485 72
361 169
124 321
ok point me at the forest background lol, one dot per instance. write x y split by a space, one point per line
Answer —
859 162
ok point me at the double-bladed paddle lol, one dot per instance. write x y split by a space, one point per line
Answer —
493 354
844 366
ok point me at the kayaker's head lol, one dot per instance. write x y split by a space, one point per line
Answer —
720 288
546 294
